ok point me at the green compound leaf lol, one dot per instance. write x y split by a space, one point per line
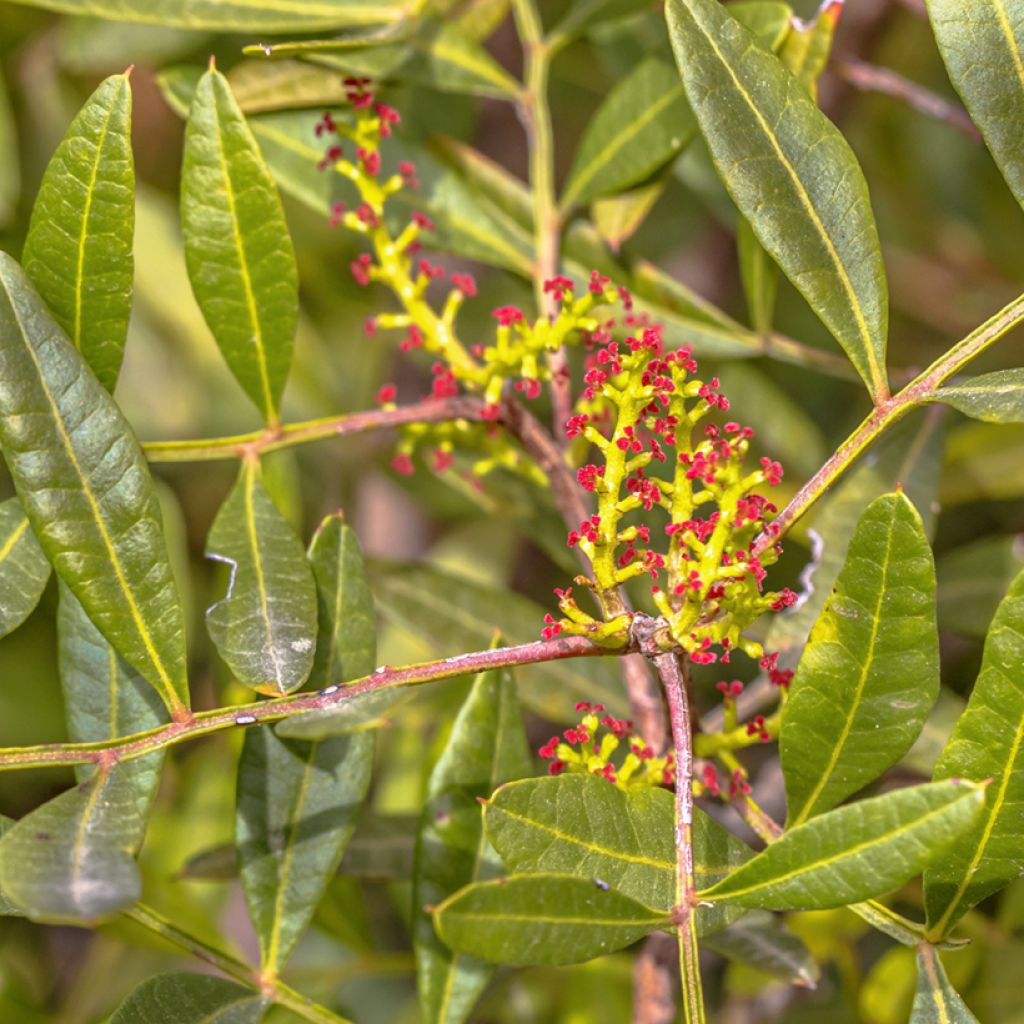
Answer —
586 826
487 747
237 15
855 852
982 44
24 569
346 646
543 919
870 672
86 489
792 175
190 999
78 251
72 860
237 247
994 397
297 808
104 698
987 743
936 1001
265 625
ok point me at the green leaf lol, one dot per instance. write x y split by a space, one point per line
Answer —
236 15
105 698
858 851
463 615
994 397
487 747
808 44
24 569
346 646
987 743
10 171
973 580
936 1001
584 14
870 673
439 55
982 45
761 941
759 277
261 86
297 808
791 174
983 463
89 498
190 999
642 124
265 625
583 825
237 247
543 919
72 860
617 218
78 251
7 908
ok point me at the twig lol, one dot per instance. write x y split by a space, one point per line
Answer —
654 981
871 78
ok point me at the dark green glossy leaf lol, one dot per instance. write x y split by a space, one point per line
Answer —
870 672
237 247
438 54
858 851
987 743
265 625
78 251
791 174
487 747
973 580
24 569
72 860
586 826
297 808
346 645
761 941
994 397
463 615
936 1001
104 698
236 15
85 486
190 999
543 919
982 44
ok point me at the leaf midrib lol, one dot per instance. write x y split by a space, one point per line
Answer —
12 540
261 582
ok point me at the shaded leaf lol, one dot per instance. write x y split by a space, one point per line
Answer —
72 860
858 851
617 218
346 645
78 251
994 397
982 44
543 919
936 1001
983 463
987 743
190 999
237 247
236 15
973 580
584 14
764 943
24 569
7 908
283 84
487 747
105 698
10 172
759 277
86 489
265 625
870 673
792 175
585 826
297 808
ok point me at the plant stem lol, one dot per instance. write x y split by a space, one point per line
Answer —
671 670
919 391
276 991
126 748
536 117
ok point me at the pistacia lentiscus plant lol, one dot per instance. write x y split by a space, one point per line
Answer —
702 742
